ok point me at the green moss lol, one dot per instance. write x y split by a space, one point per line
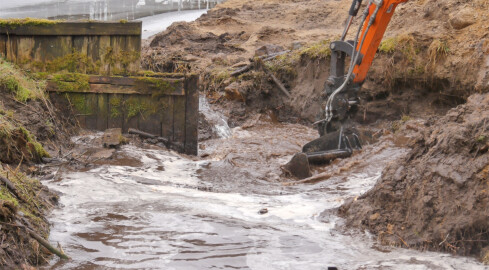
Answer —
159 86
72 82
14 23
19 84
320 50
74 62
33 146
30 203
115 107
388 45
5 195
119 61
142 107
123 21
481 138
79 102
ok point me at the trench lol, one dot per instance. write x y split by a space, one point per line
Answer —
149 208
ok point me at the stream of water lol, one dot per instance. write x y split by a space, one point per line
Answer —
149 208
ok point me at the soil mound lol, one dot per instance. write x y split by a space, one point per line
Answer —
437 197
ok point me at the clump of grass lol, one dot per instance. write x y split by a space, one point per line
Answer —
405 44
319 50
388 45
481 138
21 86
29 202
438 49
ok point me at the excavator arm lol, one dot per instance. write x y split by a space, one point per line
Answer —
338 136
343 84
374 36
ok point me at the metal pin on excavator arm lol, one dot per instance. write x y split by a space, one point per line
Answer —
338 137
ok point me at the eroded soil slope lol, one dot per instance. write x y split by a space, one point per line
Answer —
434 55
437 197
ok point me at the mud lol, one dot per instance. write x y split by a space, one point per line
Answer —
171 211
436 197
424 72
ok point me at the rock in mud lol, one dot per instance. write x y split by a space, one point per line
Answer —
463 18
437 196
112 138
298 166
269 49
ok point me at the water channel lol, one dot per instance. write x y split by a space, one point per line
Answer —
149 208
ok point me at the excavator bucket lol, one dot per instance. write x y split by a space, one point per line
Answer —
323 150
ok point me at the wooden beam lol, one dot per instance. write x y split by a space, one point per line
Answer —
76 29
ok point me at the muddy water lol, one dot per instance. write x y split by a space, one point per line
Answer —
154 209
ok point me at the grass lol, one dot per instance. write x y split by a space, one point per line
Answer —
14 23
29 202
437 50
319 50
19 84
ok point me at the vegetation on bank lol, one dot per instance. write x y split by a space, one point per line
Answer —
19 84
16 142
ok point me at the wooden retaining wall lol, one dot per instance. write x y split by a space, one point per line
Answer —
164 106
107 48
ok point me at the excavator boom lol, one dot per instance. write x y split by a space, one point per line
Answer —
374 36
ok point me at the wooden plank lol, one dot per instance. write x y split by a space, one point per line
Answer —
12 48
116 115
179 103
76 29
150 120
112 80
3 46
192 115
79 104
131 112
106 55
111 89
93 49
118 46
80 46
91 111
56 47
143 89
25 51
167 117
102 112
133 48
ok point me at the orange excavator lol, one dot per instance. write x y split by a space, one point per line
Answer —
338 137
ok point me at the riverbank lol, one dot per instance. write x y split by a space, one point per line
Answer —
30 131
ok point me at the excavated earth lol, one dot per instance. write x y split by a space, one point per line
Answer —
436 197
433 64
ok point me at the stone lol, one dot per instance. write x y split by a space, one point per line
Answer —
232 92
462 18
112 138
298 166
269 49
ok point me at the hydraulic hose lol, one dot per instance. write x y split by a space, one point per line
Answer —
354 58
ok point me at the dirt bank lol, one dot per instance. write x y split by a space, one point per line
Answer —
434 55
30 131
437 196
